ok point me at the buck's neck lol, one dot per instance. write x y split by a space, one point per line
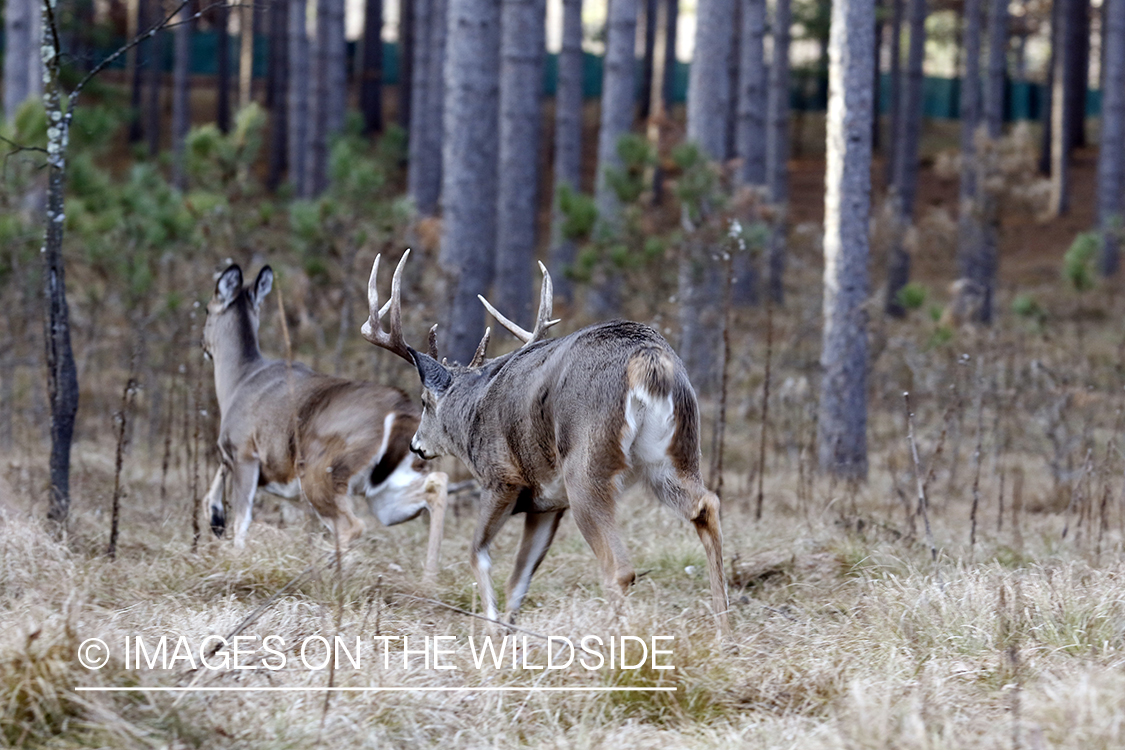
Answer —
236 354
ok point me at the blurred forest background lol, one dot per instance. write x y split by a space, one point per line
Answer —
667 159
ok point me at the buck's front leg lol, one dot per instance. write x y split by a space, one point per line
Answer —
495 508
538 533
243 487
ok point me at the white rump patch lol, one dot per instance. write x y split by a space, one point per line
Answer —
650 423
401 496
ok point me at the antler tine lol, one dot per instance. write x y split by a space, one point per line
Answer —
546 305
519 333
372 330
482 347
432 342
543 319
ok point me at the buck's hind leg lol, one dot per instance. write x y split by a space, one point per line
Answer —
214 502
538 533
593 502
694 502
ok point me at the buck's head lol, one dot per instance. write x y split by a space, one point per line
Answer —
441 383
232 313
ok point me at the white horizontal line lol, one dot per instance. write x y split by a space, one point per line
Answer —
398 689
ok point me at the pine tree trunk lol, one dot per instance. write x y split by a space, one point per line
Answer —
19 52
181 92
568 142
971 246
521 84
406 36
327 105
371 79
649 15
1111 149
842 425
907 137
701 273
777 150
997 67
141 60
734 60
469 168
62 376
1078 70
750 139
894 78
154 84
427 89
222 66
1047 107
709 83
618 107
298 99
1061 99
278 86
671 26
246 14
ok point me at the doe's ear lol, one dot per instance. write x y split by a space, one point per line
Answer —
262 285
229 284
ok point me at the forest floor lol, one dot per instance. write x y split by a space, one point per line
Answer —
988 615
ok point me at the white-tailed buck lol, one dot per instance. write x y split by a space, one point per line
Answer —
558 424
295 432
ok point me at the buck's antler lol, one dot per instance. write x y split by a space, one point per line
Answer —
372 330
543 320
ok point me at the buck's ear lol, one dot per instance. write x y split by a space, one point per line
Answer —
229 284
262 285
434 377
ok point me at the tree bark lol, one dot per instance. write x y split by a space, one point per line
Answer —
1078 69
521 84
222 64
424 173
671 26
298 99
469 168
997 67
618 108
649 15
568 142
709 83
907 136
246 23
842 425
406 36
20 44
181 92
278 86
1061 122
141 59
894 78
155 80
329 89
1111 149
777 150
62 376
371 77
751 137
701 273
970 117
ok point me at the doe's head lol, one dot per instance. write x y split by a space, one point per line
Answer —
232 313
